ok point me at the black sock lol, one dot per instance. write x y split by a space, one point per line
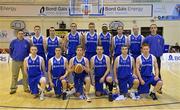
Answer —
110 85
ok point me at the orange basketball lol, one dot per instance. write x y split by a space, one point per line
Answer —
78 68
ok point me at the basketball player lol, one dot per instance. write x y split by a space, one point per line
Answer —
118 41
52 42
57 72
39 41
72 41
80 78
34 67
124 73
91 41
100 66
105 39
146 65
156 44
135 42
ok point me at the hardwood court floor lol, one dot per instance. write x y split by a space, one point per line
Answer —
169 100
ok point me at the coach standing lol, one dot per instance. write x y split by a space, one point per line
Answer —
156 43
19 49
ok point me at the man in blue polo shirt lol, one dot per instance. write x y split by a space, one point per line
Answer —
156 43
19 49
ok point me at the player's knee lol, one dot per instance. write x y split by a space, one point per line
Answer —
109 79
63 81
43 80
160 83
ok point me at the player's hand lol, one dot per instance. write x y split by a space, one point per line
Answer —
156 78
51 84
62 77
142 82
116 80
134 76
102 80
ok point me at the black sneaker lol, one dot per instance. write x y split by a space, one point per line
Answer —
153 95
64 95
110 98
12 92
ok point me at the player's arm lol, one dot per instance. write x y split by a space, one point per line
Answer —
49 73
92 66
30 41
112 43
138 64
83 37
71 66
108 66
45 44
25 66
115 69
134 67
66 72
156 67
86 67
99 40
43 65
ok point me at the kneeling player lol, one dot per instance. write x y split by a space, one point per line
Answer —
34 67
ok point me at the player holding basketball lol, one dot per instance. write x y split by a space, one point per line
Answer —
72 41
135 42
100 66
124 73
91 41
57 73
118 41
39 41
105 40
146 65
34 67
83 77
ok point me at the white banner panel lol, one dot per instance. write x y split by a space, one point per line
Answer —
33 10
129 10
6 35
4 58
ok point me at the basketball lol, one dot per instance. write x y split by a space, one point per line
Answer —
78 68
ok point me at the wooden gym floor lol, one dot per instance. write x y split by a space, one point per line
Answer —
170 99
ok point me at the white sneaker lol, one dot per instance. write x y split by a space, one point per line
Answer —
41 96
120 97
88 99
133 96
81 97
71 92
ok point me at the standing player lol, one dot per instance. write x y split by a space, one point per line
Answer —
105 40
19 49
57 72
146 65
135 42
72 41
52 42
39 41
124 73
118 41
34 67
100 66
80 78
91 41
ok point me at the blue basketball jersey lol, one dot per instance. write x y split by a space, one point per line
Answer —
99 66
124 68
34 66
38 42
74 41
118 43
146 65
106 41
58 66
135 44
51 45
91 42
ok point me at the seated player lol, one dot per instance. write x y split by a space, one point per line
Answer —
83 76
57 73
34 67
146 64
100 66
124 74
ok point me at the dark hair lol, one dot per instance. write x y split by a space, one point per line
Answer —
124 46
79 46
37 26
33 46
120 26
145 44
153 24
91 23
99 46
73 23
58 47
